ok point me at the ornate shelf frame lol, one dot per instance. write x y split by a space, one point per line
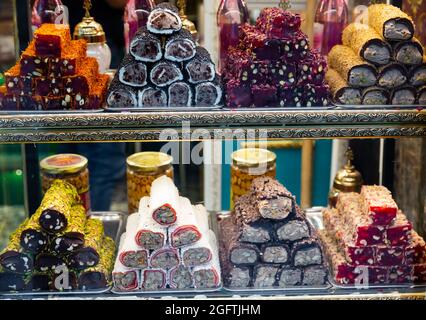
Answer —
275 124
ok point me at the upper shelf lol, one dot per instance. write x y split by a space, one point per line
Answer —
275 124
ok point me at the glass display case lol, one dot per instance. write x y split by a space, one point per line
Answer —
338 211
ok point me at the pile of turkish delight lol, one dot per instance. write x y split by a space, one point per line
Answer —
54 73
370 242
167 245
274 66
165 67
268 242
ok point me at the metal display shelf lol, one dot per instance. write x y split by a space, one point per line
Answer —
275 124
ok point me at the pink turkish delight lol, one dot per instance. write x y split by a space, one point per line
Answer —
399 233
377 202
360 255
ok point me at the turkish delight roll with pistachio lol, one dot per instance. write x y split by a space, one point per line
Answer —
367 43
121 96
165 258
164 19
32 238
48 262
421 95
72 237
130 254
145 46
39 281
408 52
11 281
56 206
405 95
181 278
153 279
149 235
89 255
99 276
390 22
375 96
341 91
392 76
164 201
180 47
417 75
124 278
12 258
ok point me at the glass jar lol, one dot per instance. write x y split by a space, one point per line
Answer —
142 169
247 165
71 168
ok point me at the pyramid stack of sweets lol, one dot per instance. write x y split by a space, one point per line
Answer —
268 242
167 245
274 66
369 241
380 62
56 242
54 73
165 67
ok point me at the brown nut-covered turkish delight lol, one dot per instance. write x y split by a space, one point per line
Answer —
51 39
307 252
133 73
265 275
275 253
145 46
293 230
120 96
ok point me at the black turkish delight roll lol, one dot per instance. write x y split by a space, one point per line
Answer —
295 47
265 275
392 75
375 96
312 69
121 96
264 95
421 96
39 282
283 74
132 73
165 73
208 93
180 47
315 276
417 75
164 19
181 278
275 253
46 262
32 238
200 68
403 96
64 280
408 52
11 281
289 276
150 97
307 252
145 46
180 95
238 95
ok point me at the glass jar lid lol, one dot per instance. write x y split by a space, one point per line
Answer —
63 163
149 161
253 157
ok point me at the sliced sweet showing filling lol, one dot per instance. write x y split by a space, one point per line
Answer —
153 280
254 234
392 77
276 209
47 262
184 236
180 95
362 76
265 276
206 278
33 240
135 259
181 278
409 53
180 49
314 276
310 254
404 96
164 215
150 240
238 277
375 97
163 21
390 256
68 243
264 95
92 280
196 256
152 97
293 230
422 97
244 254
53 221
133 74
165 73
349 96
146 48
418 76
208 94
290 277
200 70
83 258
121 97
17 262
397 29
275 254
377 54
125 281
165 259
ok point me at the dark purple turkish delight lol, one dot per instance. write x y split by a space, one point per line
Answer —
30 103
49 86
180 95
165 73
10 102
264 95
295 47
238 95
152 97
33 65
164 19
316 95
145 46
84 78
17 84
283 74
11 282
312 69
120 96
278 23
58 102
180 47
258 44
46 262
200 68
132 73
208 94
237 65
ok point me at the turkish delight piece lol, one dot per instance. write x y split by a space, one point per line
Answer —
208 275
390 256
237 277
12 259
164 259
264 95
48 86
181 278
417 75
415 252
289 97
208 94
180 95
405 95
375 96
256 232
306 252
237 65
294 229
67 63
421 95
58 102
295 48
164 19
17 84
289 277
125 279
31 64
315 276
283 74
201 252
150 97
392 75
10 102
39 282
316 95
272 253
83 80
185 232
50 39
401 274
258 73
150 235
121 96
165 73
200 68
238 95
145 46
33 240
312 69
46 262
256 42
96 97
164 201
419 273
278 23
265 275
180 47
11 282
30 103
377 202
399 233
153 279
133 73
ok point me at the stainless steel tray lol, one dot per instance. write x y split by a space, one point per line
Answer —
319 108
382 107
164 109
114 224
41 112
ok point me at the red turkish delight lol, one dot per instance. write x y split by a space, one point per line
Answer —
312 69
67 64
58 103
48 86
278 23
238 95
360 255
17 84
31 64
390 256
419 274
377 275
264 95
415 253
283 74
85 76
258 43
400 274
377 202
399 233
50 39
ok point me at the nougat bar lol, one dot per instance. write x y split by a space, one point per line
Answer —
377 202
51 39
83 80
